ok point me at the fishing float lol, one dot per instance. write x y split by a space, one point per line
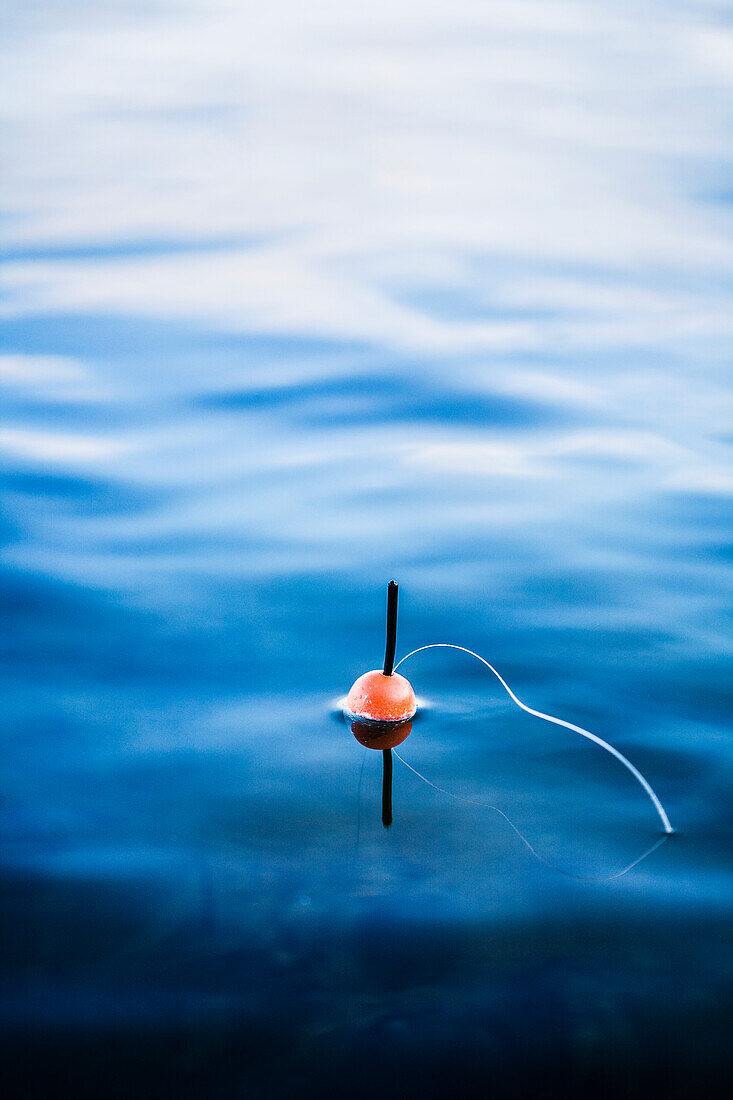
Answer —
382 703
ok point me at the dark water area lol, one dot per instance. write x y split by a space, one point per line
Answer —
222 435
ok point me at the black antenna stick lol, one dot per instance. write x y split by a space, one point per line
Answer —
391 627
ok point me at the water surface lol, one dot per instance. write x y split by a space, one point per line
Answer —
297 301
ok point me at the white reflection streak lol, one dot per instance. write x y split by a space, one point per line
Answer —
50 378
54 447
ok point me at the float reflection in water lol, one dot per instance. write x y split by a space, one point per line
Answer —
385 736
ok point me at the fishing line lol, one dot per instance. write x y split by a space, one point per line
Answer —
546 718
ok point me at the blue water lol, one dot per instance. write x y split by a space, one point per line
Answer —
297 302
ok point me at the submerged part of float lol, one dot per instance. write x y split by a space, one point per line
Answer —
383 696
381 735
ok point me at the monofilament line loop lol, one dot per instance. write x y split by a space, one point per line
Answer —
557 722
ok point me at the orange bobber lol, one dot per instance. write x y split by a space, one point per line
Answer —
379 698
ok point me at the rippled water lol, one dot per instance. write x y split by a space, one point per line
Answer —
297 299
